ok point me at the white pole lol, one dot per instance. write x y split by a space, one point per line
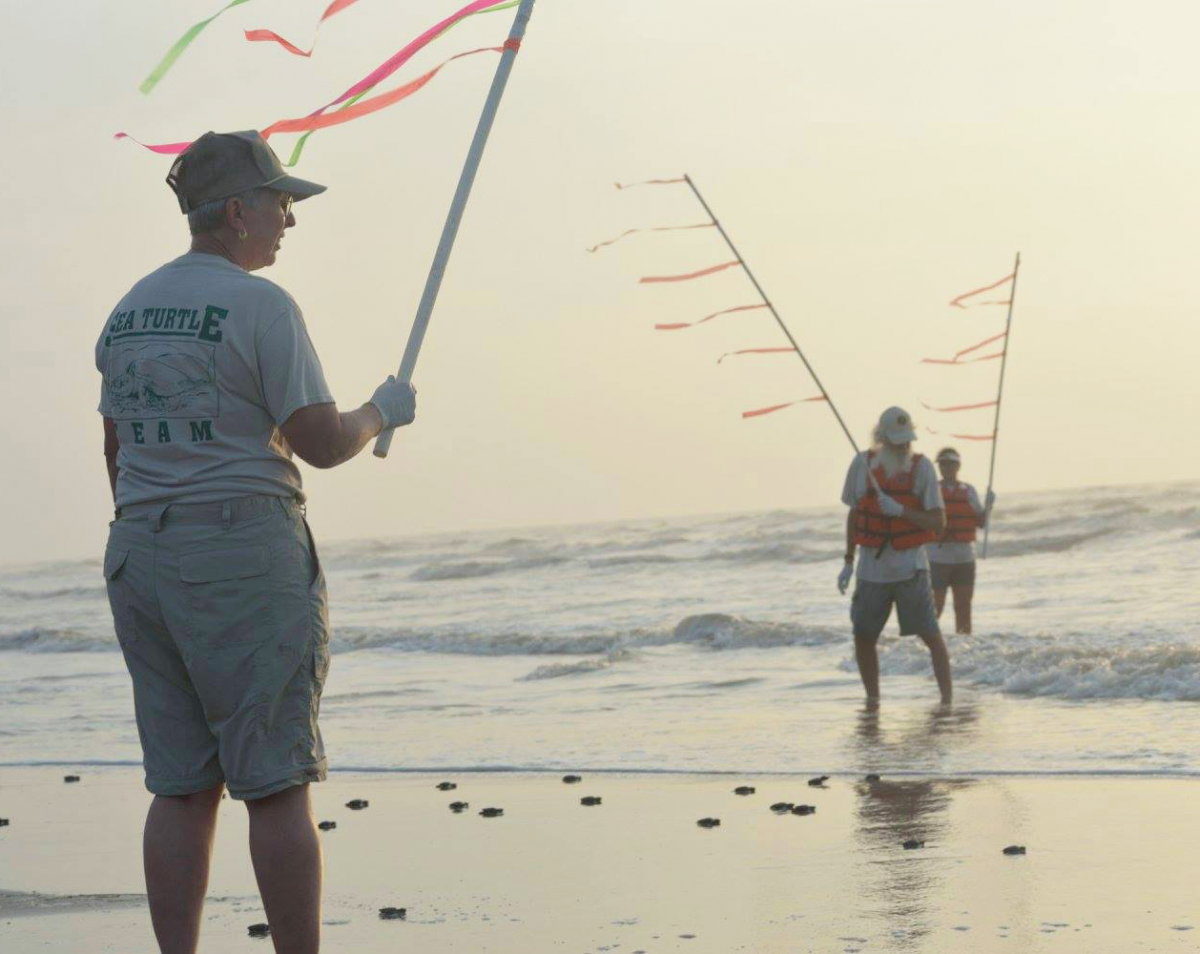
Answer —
987 527
434 282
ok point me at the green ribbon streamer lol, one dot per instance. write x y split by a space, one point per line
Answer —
180 45
299 147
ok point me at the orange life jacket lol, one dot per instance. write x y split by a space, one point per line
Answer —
873 529
961 519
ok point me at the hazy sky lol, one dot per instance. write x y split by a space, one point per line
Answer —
872 160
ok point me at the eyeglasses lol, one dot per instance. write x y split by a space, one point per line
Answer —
286 205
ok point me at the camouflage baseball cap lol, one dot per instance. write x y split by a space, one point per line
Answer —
220 165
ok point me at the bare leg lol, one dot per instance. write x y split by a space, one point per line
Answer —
868 664
176 850
963 593
941 664
287 863
939 601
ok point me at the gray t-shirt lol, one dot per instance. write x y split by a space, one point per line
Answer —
957 552
892 566
202 362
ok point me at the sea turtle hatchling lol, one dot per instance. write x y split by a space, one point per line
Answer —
327 825
1015 850
459 807
357 804
782 808
709 822
446 786
492 812
744 790
913 844
819 781
572 779
392 914
804 810
590 800
259 930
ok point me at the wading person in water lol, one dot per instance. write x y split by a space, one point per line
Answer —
952 558
895 509
217 595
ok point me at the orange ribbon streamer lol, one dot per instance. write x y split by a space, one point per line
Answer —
759 412
658 228
711 270
958 302
675 326
258 36
729 354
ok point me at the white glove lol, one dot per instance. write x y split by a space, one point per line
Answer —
396 402
991 499
890 507
845 576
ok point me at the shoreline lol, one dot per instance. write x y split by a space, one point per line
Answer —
636 872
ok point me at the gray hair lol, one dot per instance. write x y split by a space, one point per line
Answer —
210 216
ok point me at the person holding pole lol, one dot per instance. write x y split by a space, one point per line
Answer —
895 508
952 558
210 382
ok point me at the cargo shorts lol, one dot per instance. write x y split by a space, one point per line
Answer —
872 605
222 616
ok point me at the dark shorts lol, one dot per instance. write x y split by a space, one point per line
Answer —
943 575
220 611
872 605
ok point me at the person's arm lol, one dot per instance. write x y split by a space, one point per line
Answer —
934 520
324 437
111 445
851 546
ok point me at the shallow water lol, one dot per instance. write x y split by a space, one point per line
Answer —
694 644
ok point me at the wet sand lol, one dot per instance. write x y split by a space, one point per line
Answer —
1109 866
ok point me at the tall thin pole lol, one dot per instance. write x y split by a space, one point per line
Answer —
450 230
771 307
1000 396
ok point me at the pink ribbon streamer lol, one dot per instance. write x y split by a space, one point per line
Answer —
959 407
730 354
759 412
676 325
318 121
657 228
631 185
974 347
958 302
964 437
711 270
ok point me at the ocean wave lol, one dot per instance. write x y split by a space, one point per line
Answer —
770 553
473 569
1061 666
579 667
38 639
633 559
66 592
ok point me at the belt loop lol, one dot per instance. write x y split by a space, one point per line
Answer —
226 514
155 516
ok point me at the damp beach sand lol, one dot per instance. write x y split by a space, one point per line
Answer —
1105 868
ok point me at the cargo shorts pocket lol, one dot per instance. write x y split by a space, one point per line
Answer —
115 559
229 594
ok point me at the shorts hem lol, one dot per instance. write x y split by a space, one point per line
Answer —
173 787
300 775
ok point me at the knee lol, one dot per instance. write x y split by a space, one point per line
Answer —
293 798
197 803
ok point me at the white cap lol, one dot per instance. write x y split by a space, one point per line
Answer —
896 425
950 454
